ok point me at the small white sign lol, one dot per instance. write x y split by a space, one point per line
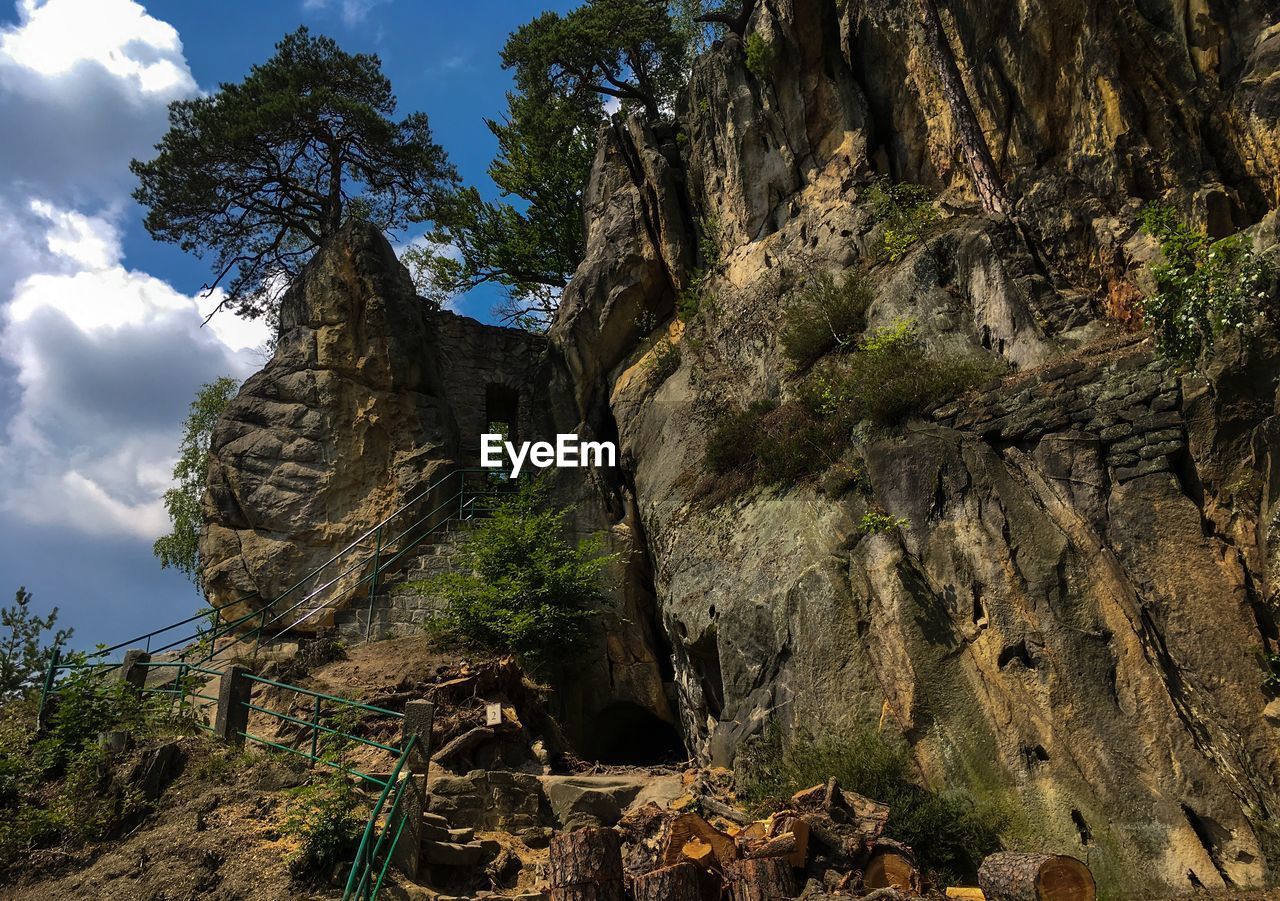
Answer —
493 715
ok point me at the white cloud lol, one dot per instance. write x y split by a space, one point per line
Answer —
353 11
101 360
54 37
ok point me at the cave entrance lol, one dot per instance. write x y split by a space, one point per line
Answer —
625 734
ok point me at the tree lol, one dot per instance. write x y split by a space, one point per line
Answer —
25 645
631 50
262 172
566 67
522 588
532 245
986 180
180 548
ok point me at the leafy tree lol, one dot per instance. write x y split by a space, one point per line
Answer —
631 50
27 641
522 588
532 240
179 548
566 67
262 172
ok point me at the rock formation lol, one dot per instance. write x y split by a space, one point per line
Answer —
1074 618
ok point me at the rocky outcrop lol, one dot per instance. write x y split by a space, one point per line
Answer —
1072 619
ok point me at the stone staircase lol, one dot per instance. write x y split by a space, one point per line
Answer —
399 611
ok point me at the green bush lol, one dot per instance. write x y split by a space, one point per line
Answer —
762 56
949 832
874 522
731 444
1204 288
523 588
827 313
665 360
904 210
326 819
890 377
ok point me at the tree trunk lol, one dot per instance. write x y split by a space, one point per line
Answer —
1035 877
586 865
677 883
986 181
761 879
892 865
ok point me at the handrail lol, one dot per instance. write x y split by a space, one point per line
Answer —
366 856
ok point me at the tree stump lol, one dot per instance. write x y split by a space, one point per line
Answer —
761 879
1035 877
586 865
892 865
674 883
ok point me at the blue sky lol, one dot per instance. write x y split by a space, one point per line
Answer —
101 347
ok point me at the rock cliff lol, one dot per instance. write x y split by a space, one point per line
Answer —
1074 617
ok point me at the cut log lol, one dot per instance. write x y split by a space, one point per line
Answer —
586 864
800 829
783 845
688 827
892 865
962 893
1035 877
761 879
699 852
674 883
842 820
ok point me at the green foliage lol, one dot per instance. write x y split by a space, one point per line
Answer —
326 819
875 522
530 246
826 314
27 642
262 172
631 50
697 294
664 359
762 56
949 832
1204 288
523 588
889 377
180 548
1272 678
57 787
904 211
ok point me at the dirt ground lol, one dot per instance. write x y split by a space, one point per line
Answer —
215 835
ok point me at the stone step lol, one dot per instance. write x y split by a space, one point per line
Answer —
453 854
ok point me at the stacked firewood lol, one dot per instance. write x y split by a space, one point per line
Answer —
826 831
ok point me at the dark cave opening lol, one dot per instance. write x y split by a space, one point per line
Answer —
625 734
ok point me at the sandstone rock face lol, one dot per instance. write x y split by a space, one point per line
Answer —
1073 618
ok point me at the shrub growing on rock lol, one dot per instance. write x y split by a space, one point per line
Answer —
523 588
891 376
762 56
1204 288
828 313
904 210
326 820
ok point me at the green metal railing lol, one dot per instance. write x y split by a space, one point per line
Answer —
184 687
378 842
317 726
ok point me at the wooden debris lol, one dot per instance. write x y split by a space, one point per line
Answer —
761 879
842 820
679 882
891 865
698 851
1035 877
586 865
685 829
960 893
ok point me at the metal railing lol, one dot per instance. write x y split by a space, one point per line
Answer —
378 842
362 563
